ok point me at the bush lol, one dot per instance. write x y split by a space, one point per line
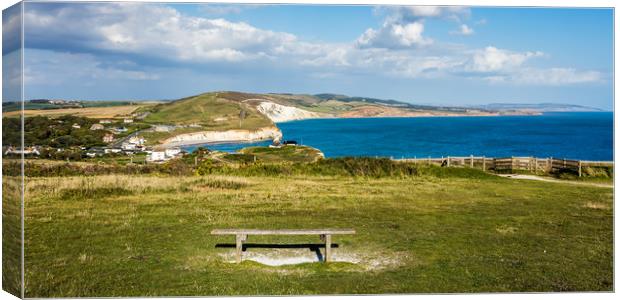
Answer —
13 168
347 166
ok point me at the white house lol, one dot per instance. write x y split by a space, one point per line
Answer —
128 146
127 120
108 138
76 126
112 150
105 121
156 156
172 152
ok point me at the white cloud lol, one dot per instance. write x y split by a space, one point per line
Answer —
551 76
44 67
162 34
223 9
11 29
464 30
404 25
492 59
157 30
393 35
415 13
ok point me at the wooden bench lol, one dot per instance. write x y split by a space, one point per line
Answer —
324 234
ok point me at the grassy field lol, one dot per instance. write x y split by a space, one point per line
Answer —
11 235
442 230
89 112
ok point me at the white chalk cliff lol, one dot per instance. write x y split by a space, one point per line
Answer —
235 135
282 113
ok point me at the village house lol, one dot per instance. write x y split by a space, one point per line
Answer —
97 127
172 152
128 146
138 140
156 156
166 154
108 138
128 121
105 121
95 151
112 150
76 126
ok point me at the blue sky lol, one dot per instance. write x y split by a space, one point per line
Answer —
430 55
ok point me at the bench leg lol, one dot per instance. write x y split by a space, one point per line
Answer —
239 246
328 247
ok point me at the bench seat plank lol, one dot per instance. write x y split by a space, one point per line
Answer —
281 231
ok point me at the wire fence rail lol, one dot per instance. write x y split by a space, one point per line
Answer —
509 164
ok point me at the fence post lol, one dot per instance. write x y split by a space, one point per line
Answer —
429 160
512 163
535 165
471 161
550 164
448 161
579 169
484 163
564 162
529 163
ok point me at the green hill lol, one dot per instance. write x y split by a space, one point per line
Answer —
209 111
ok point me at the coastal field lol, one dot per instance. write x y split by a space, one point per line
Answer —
424 230
89 112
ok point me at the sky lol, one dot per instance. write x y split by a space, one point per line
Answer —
445 55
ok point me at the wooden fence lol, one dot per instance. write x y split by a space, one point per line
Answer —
509 164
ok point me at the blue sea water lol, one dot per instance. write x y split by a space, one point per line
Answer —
586 136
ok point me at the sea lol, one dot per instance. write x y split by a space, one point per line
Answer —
570 135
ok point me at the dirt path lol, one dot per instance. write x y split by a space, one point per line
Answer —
540 178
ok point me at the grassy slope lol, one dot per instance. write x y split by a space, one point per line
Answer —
287 153
148 235
204 110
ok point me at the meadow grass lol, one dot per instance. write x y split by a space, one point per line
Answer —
11 235
437 230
